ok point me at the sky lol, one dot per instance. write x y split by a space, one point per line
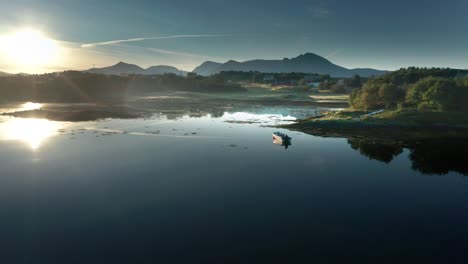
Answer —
359 33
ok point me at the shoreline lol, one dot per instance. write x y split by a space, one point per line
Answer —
385 127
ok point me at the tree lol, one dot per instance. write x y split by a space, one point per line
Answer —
442 95
192 75
391 95
427 89
354 82
338 88
326 85
415 92
436 93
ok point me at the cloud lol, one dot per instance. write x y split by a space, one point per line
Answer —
334 53
172 52
113 42
319 12
184 54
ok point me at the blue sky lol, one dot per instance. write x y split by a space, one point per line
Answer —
360 33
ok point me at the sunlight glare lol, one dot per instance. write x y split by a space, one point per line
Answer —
33 132
30 106
28 48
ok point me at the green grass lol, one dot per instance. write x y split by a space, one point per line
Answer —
332 97
414 116
396 117
400 125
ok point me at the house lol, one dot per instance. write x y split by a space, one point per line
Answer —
312 81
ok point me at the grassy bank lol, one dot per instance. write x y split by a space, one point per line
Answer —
402 125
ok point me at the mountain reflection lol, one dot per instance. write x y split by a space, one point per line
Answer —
427 157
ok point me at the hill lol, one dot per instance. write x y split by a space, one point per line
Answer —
306 63
123 68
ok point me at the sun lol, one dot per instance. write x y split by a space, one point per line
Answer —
29 48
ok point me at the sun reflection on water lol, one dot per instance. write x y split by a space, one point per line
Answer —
33 132
30 106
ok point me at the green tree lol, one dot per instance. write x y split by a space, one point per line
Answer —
390 95
338 88
442 95
354 82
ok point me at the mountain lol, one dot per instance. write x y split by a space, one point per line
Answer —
162 69
125 68
4 73
207 68
366 72
306 63
118 69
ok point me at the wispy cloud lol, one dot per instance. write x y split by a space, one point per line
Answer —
172 52
118 41
334 53
183 54
319 11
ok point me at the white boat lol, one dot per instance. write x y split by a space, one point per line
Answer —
280 137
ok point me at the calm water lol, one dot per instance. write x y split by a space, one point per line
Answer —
198 190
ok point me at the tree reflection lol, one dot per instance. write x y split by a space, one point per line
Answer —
384 152
428 157
440 157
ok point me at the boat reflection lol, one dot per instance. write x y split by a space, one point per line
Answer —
32 132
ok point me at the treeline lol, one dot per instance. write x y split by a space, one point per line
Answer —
74 86
326 82
341 86
422 88
259 77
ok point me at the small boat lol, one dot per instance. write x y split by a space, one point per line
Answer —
281 139
280 136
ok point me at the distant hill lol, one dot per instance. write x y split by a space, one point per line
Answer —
4 73
208 68
162 69
306 63
125 68
366 72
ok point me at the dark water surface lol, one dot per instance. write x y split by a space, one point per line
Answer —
199 190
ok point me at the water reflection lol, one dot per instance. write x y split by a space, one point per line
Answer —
428 157
381 151
33 132
30 106
440 157
254 118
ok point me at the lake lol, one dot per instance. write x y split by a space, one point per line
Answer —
214 188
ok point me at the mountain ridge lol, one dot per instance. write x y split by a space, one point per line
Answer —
306 63
127 68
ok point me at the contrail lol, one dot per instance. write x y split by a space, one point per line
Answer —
112 42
